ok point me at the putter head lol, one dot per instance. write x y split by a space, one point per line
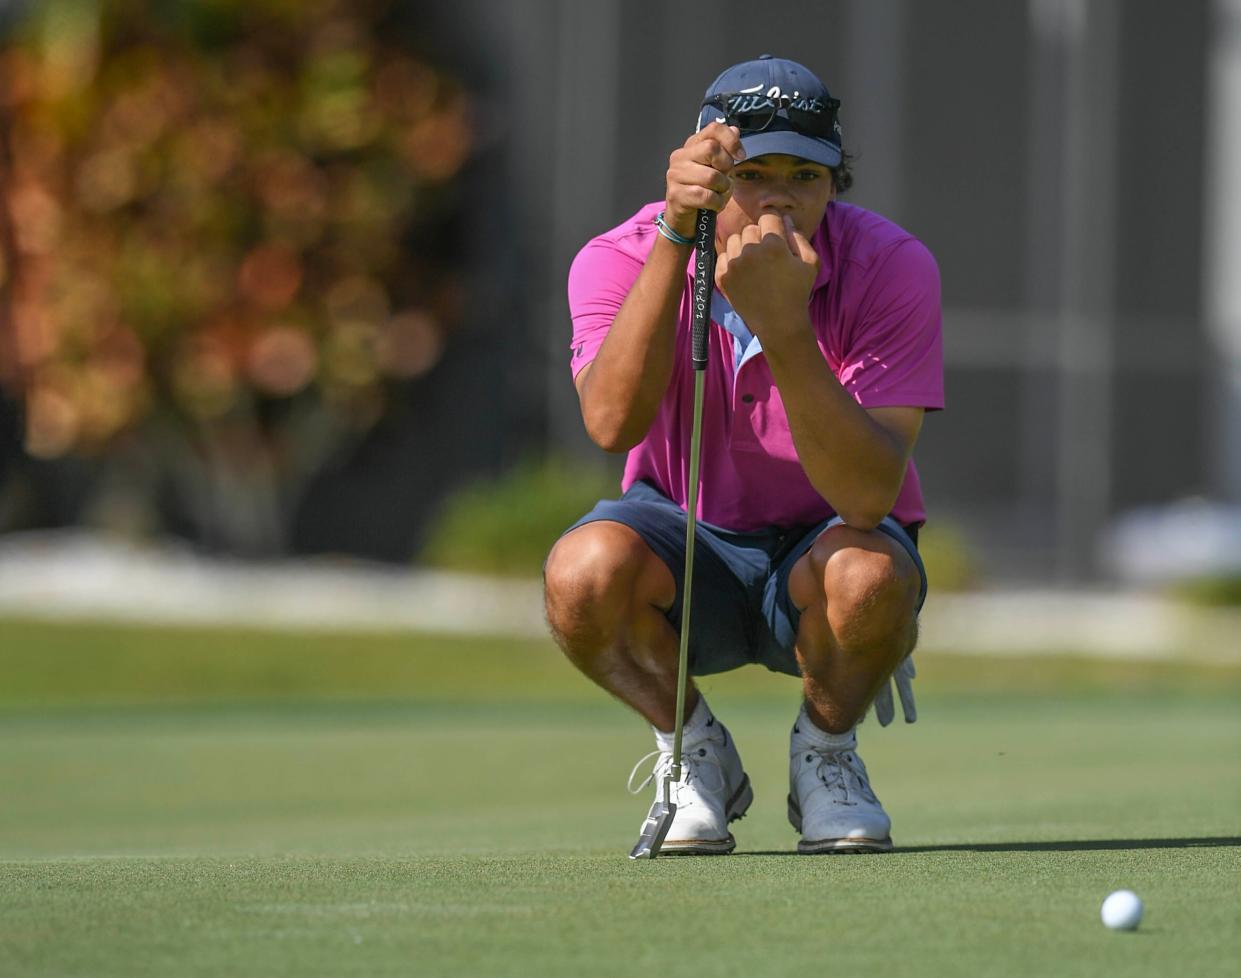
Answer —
654 829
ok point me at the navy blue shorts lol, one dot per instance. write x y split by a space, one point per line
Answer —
741 611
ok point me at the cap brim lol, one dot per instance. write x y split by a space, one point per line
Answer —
791 143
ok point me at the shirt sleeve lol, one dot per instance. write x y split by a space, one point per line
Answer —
895 354
599 280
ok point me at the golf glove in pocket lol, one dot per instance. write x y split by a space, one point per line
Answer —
903 679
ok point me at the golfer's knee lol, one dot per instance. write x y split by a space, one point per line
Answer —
590 576
869 590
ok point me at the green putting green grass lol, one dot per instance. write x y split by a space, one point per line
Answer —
216 802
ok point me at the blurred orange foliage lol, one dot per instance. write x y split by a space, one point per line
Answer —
203 206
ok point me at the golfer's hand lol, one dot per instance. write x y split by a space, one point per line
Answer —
699 175
767 272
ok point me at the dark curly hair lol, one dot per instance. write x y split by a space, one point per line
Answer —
842 172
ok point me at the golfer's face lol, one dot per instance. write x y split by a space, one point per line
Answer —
776 184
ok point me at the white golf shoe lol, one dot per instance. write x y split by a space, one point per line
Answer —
713 791
831 802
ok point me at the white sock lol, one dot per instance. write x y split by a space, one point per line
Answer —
807 734
700 725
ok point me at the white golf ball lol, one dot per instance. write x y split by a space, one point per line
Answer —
1122 910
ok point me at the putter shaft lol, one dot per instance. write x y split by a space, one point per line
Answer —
691 522
659 821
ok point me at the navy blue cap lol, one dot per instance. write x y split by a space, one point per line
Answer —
786 96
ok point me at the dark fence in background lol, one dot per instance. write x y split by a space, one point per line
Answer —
1050 153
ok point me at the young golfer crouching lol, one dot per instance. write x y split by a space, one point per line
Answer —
824 353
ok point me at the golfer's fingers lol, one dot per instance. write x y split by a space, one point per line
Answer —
698 174
750 234
701 160
771 224
701 175
693 186
726 138
798 243
716 147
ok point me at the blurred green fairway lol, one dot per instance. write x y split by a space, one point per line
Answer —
215 802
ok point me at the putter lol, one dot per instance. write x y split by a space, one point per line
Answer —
663 810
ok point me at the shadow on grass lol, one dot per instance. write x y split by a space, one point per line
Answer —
1080 845
1077 845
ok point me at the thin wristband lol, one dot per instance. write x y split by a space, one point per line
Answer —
669 233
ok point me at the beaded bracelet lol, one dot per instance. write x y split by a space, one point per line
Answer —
669 233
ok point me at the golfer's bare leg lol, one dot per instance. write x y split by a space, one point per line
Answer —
606 595
857 590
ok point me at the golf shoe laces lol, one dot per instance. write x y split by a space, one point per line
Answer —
694 762
836 769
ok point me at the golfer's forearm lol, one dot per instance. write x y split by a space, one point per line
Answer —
626 382
856 464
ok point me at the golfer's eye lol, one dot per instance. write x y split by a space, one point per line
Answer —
746 176
808 175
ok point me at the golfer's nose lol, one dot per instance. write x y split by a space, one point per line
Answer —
777 198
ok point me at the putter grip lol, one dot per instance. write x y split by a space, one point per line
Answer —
704 284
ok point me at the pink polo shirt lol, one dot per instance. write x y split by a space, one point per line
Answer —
875 309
